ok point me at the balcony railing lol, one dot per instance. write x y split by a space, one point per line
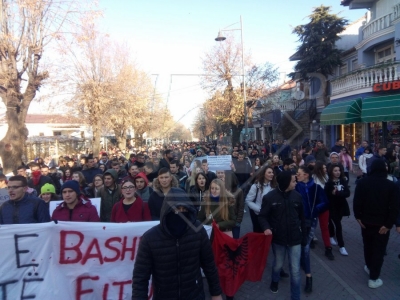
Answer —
365 78
381 23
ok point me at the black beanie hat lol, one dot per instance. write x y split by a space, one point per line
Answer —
73 185
284 178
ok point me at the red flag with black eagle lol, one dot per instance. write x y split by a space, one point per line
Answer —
239 260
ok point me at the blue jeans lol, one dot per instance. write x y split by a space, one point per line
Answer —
294 254
305 251
236 232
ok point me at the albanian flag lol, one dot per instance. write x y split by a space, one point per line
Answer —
239 260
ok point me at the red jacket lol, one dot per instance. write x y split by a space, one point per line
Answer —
138 212
83 211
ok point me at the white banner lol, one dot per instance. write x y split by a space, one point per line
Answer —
69 260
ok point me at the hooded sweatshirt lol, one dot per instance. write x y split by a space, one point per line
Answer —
173 253
109 197
146 191
376 199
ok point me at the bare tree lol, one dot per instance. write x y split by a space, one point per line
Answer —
222 66
27 27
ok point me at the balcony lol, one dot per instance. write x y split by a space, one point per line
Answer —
381 23
364 79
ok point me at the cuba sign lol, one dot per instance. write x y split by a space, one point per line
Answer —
386 86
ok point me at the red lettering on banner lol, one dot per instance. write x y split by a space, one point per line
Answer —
97 254
126 249
75 248
396 85
113 248
105 291
377 87
121 287
79 290
387 86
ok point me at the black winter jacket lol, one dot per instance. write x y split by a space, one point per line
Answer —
376 199
283 214
338 206
175 263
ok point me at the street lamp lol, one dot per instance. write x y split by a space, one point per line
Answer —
221 38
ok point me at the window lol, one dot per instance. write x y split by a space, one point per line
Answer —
41 134
343 69
354 64
56 133
385 54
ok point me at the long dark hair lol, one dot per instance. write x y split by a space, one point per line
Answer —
231 181
319 171
260 179
197 185
330 172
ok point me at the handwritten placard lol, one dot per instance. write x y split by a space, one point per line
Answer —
220 163
95 202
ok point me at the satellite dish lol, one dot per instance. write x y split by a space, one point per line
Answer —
298 95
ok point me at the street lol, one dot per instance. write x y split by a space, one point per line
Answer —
342 278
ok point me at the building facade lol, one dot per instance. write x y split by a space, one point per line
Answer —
365 91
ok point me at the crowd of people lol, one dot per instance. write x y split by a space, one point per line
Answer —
288 192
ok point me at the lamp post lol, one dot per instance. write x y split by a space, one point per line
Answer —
221 38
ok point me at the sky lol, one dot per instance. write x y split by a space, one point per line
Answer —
168 38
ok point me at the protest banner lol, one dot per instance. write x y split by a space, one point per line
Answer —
95 202
69 260
220 163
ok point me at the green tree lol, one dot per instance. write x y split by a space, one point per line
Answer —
317 51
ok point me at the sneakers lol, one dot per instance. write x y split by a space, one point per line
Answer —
329 254
366 269
315 239
373 284
333 242
343 251
274 287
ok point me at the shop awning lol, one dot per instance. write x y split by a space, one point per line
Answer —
381 109
346 112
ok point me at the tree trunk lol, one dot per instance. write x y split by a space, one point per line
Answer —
13 144
120 136
96 140
138 139
236 130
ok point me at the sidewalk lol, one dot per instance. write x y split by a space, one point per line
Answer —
342 278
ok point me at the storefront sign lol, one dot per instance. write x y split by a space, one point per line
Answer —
386 86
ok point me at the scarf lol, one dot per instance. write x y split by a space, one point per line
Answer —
36 177
214 199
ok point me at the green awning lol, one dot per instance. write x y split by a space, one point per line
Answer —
381 109
345 112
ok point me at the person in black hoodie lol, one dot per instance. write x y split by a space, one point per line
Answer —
376 207
282 215
337 190
173 253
